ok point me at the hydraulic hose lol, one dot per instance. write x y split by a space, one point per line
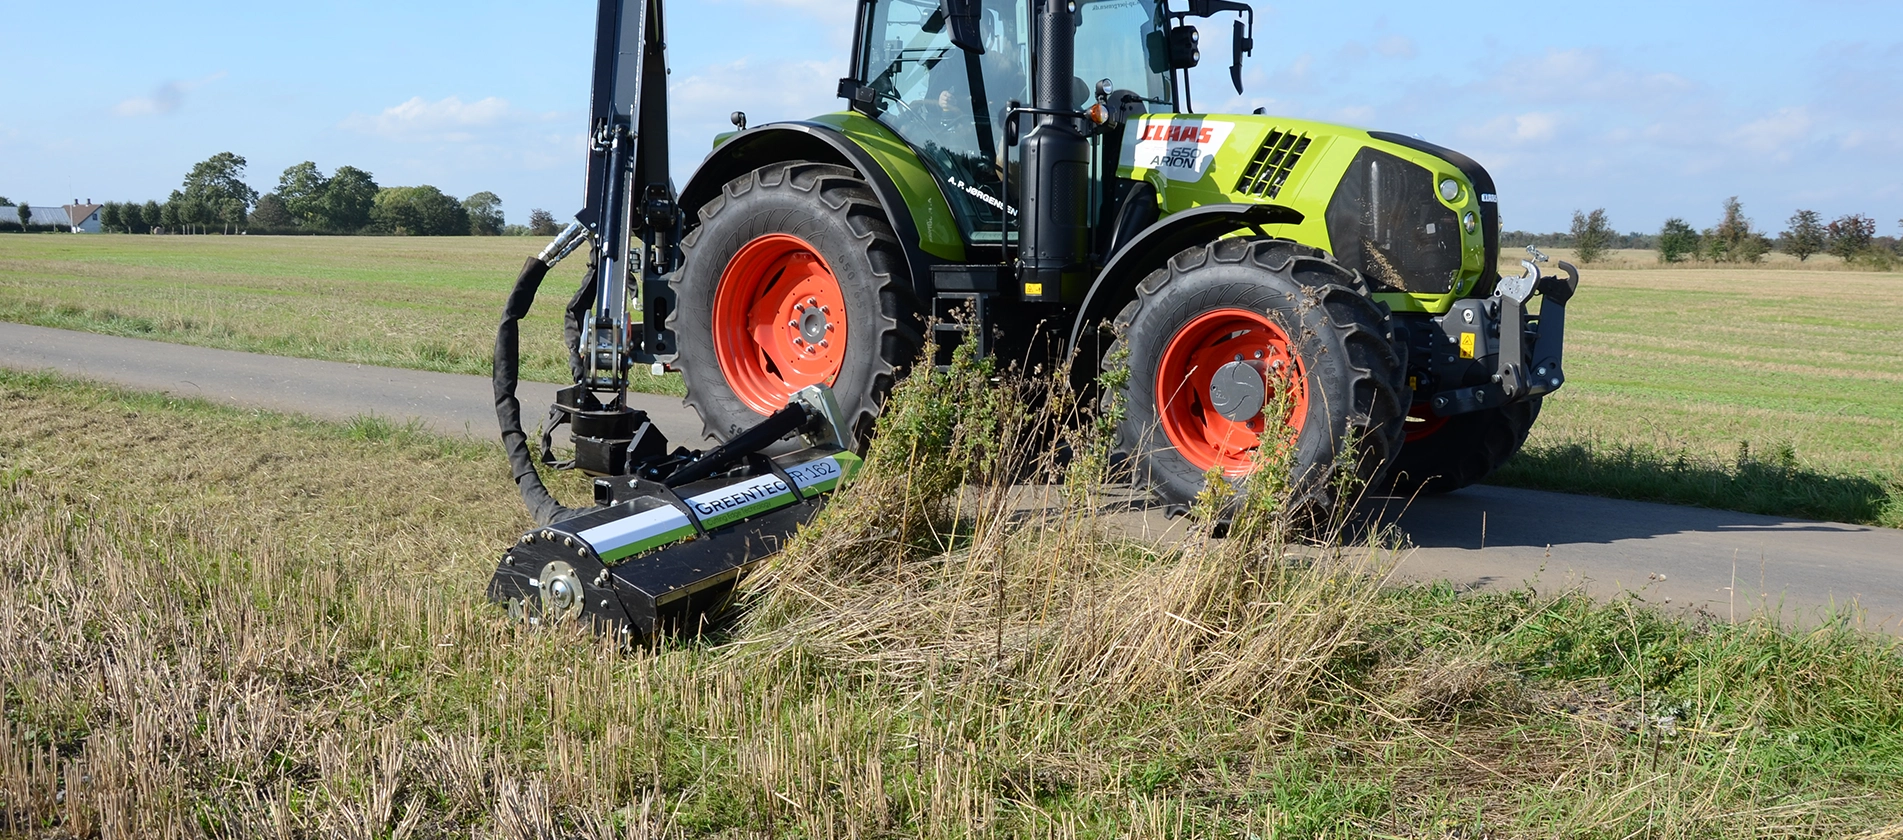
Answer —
506 372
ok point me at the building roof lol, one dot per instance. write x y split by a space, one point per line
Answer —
77 214
41 215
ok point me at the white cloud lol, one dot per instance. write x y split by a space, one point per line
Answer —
1776 134
447 120
165 99
1396 46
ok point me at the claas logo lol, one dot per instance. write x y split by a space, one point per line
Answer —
1178 133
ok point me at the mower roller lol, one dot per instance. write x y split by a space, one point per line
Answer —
1029 178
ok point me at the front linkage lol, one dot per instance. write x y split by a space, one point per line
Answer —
1510 354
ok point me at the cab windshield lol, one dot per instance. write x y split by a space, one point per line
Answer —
951 105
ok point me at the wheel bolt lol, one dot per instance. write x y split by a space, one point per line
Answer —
812 301
799 307
825 343
1258 354
798 340
826 310
793 324
830 328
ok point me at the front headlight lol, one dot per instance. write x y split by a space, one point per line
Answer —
1450 189
1470 221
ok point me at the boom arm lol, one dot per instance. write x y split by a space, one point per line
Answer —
630 212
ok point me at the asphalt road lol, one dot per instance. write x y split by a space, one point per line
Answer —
1724 563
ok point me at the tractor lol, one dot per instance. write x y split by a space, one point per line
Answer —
1030 177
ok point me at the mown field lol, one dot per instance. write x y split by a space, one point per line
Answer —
1770 389
426 303
225 623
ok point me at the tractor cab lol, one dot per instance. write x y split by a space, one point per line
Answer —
952 103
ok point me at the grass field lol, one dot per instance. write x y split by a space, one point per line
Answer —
225 623
1770 389
421 303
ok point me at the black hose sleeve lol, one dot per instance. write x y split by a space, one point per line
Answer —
506 372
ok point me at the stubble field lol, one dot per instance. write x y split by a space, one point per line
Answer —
230 624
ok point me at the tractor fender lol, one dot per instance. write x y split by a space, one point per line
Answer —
1151 250
784 142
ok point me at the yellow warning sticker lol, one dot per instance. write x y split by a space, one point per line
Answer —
1467 345
1034 289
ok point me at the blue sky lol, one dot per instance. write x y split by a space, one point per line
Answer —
1647 109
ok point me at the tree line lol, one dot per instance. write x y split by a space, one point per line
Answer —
215 198
1734 239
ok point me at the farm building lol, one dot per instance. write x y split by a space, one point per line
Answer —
81 218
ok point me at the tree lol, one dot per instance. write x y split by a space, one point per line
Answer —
541 223
301 188
349 198
1805 235
153 215
133 217
1676 241
271 215
185 212
1591 234
217 183
419 211
485 214
109 217
26 214
168 216
1733 240
1850 235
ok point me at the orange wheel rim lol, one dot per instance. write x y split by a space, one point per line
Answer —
1421 423
779 321
1233 344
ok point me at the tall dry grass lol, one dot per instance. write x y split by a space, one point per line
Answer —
215 624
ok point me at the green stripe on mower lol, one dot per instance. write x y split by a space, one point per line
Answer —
661 559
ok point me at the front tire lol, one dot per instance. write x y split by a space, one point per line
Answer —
1198 328
1463 449
793 277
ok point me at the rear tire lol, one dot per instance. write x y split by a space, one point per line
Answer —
1463 450
777 245
1286 300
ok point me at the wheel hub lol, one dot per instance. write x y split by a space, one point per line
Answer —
779 321
812 324
1237 391
1217 374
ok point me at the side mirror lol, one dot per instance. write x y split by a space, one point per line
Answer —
1244 43
963 16
1184 47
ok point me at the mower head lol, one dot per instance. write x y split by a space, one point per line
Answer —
665 544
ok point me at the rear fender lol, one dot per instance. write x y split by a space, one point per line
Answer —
1149 251
924 232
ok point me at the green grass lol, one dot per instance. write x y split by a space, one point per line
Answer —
1674 370
426 303
1769 390
224 623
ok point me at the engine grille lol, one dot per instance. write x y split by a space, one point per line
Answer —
1280 152
1385 220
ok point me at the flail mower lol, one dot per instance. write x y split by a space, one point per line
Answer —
1028 177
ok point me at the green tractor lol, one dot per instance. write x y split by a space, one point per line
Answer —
1038 165
1030 177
